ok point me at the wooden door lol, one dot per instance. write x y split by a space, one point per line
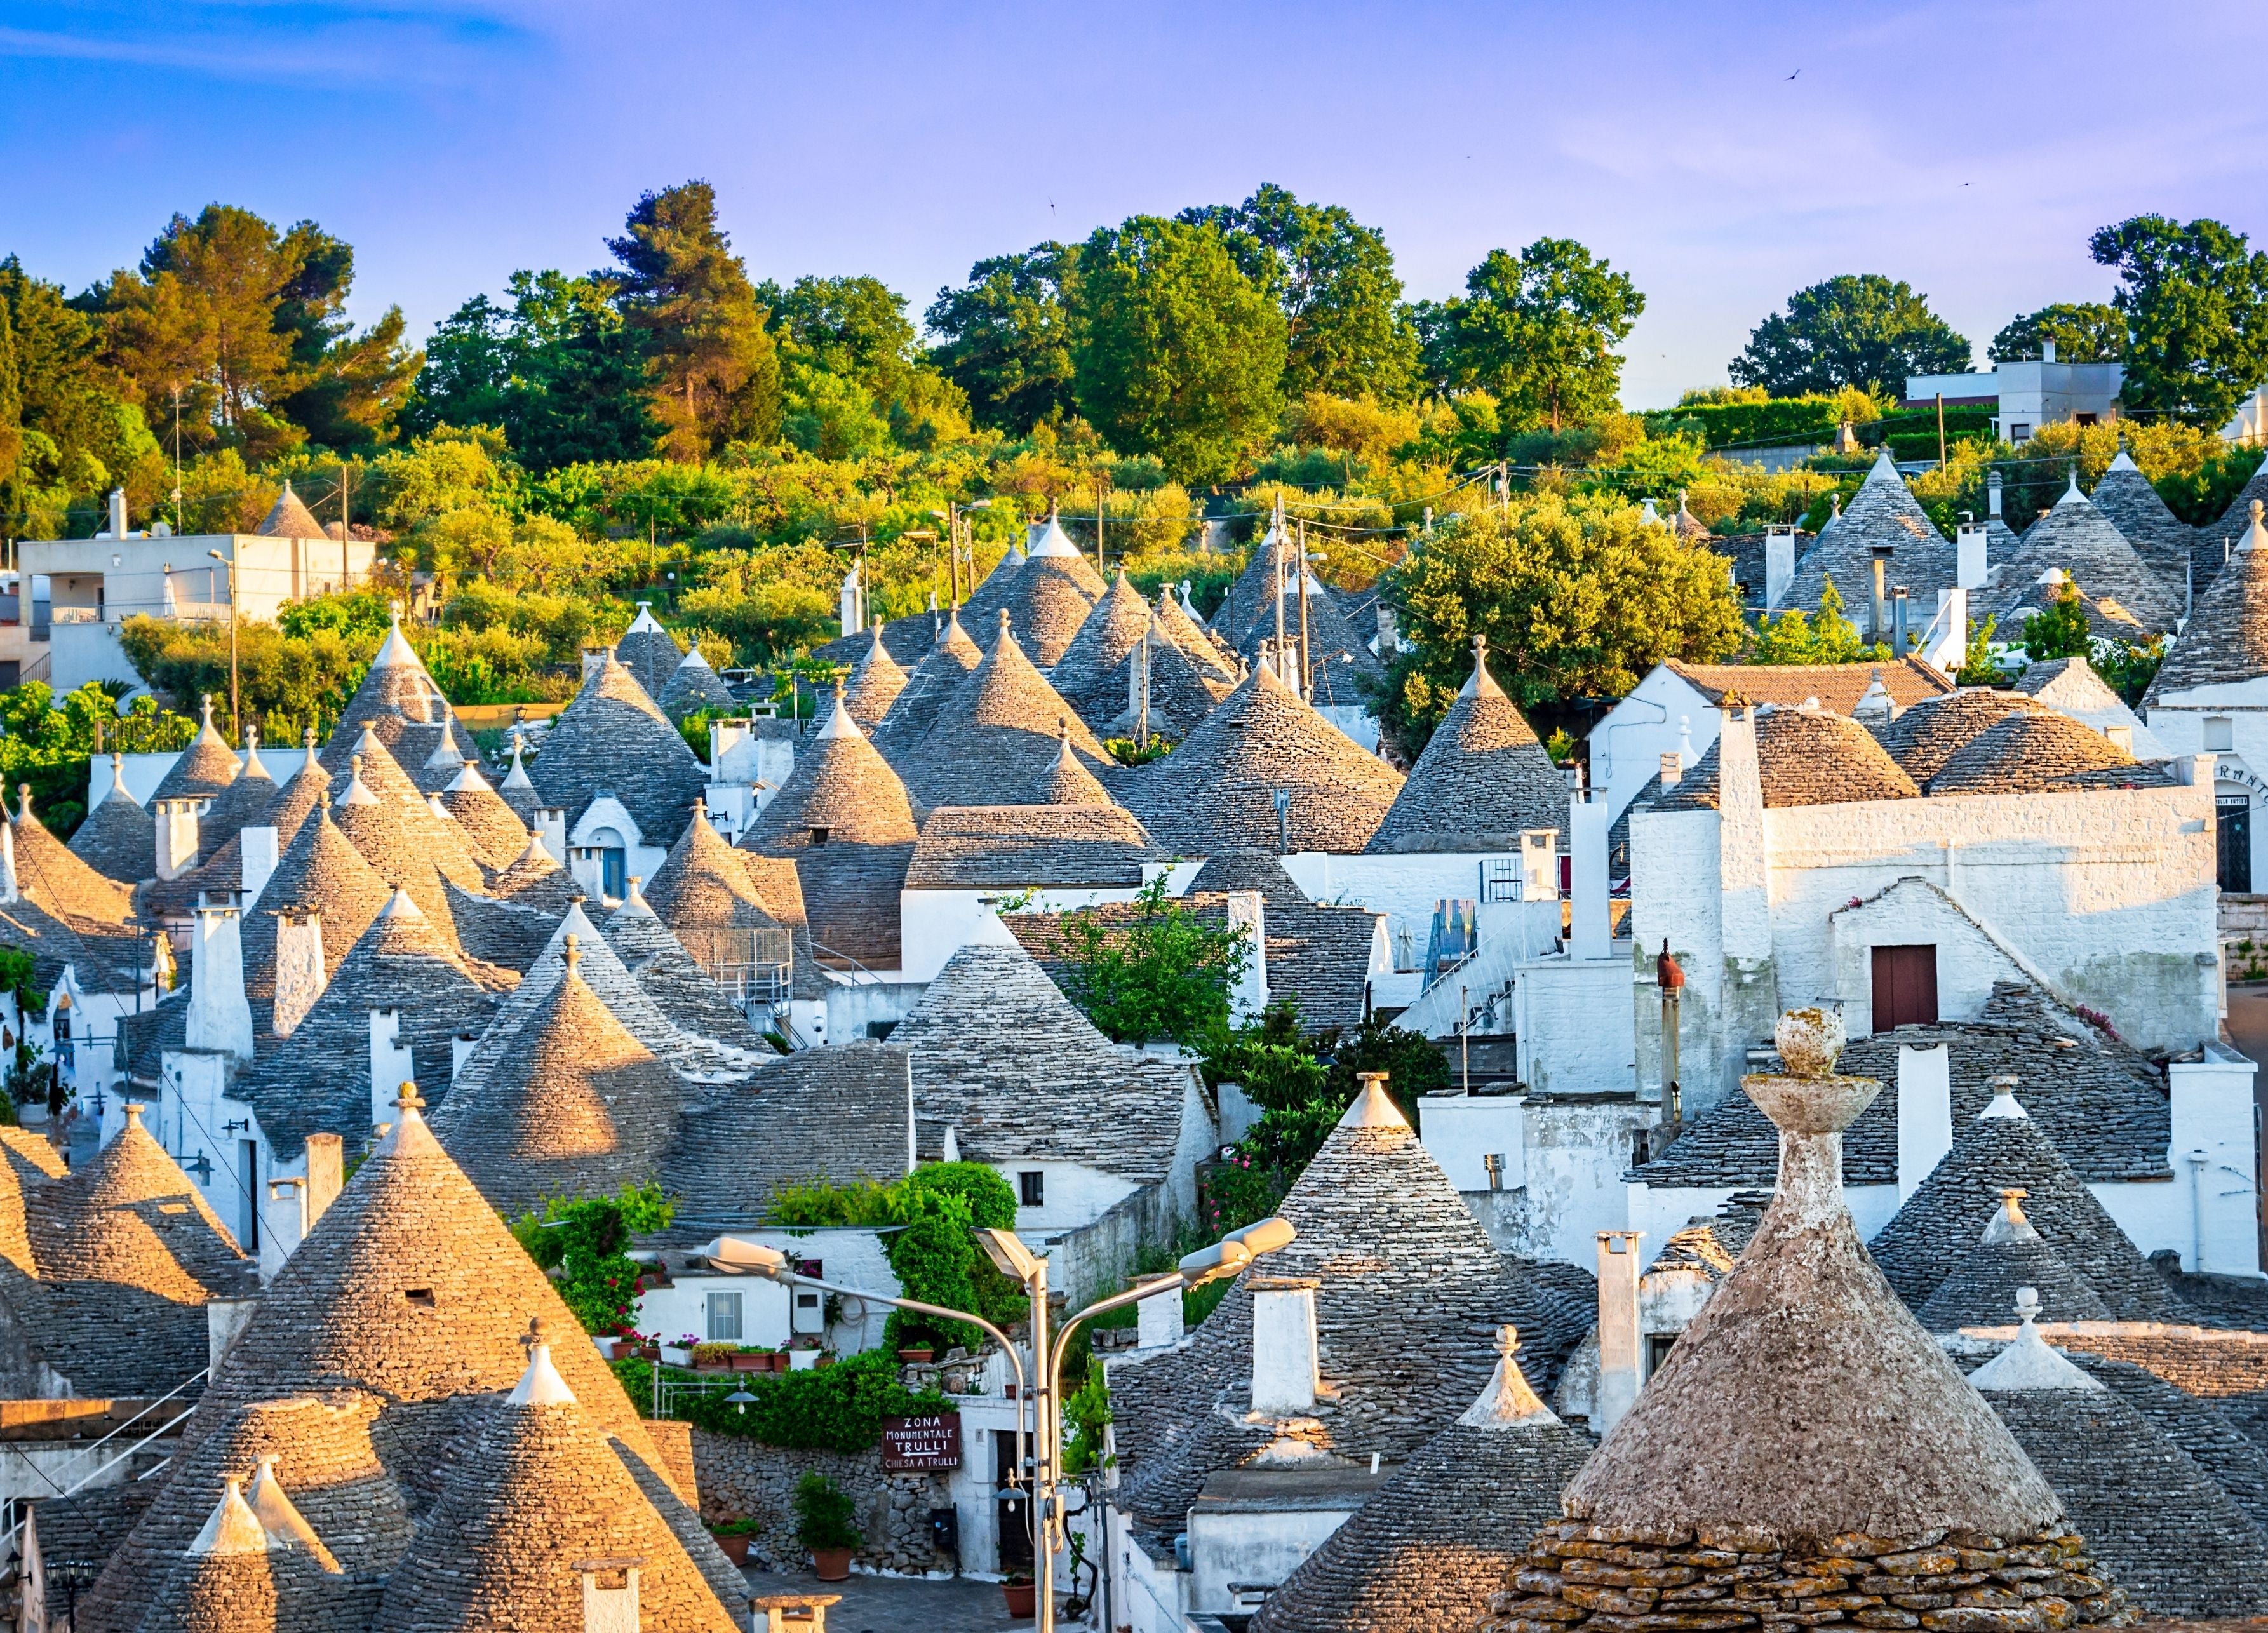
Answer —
1906 986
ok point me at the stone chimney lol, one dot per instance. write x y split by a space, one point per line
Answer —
1621 1354
1924 1112
1673 769
1284 1361
258 848
177 836
299 975
325 1173
1539 864
1779 563
1159 1322
219 1017
1247 914
1591 930
390 1064
284 1224
1740 838
551 828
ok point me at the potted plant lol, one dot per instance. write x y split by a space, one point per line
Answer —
679 1354
823 1524
752 1359
803 1354
1021 1593
713 1357
733 1535
918 1353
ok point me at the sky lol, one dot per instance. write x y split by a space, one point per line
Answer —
1725 155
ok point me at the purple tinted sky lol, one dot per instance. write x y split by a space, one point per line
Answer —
1967 148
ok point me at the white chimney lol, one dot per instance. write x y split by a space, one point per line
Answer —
1539 864
1673 769
390 1065
1746 917
460 1050
2047 351
118 512
224 1319
1924 1112
256 846
1591 934
11 893
1993 495
177 836
1779 563
299 975
284 1224
325 1173
1159 1319
1283 1346
219 1017
551 828
1620 1353
1969 555
2120 738
1247 914
611 1607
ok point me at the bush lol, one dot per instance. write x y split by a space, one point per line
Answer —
825 1514
585 1240
1160 973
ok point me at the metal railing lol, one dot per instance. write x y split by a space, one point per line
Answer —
755 968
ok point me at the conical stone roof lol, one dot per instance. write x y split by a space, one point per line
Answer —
517 788
839 784
443 845
289 518
1805 1402
2227 639
1067 781
305 790
207 766
535 879
615 739
118 838
704 884
1338 656
2010 1255
2079 538
664 970
1428 1547
1882 512
2164 542
321 870
934 679
694 685
541 1491
1482 779
378 827
1218 788
244 801
649 651
1113 628
1211 655
497 835
1047 599
1000 731
874 684
1408 1286
396 680
51 876
2233 523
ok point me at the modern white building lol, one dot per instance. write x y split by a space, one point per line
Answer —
2028 394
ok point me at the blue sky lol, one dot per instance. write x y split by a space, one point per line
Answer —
1967 148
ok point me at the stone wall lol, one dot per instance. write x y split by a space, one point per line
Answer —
1578 1573
741 1477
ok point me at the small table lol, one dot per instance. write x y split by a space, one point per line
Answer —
793 1612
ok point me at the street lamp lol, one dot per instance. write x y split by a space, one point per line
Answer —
235 723
1224 1258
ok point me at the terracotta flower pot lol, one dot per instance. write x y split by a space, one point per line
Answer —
831 1564
751 1363
736 1548
925 1353
1022 1597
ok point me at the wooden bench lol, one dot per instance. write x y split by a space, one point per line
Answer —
796 1613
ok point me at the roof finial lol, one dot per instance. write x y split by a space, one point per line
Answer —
2012 1204
534 1334
409 1099
1004 621
23 802
308 738
2027 1305
117 771
572 952
1508 1341
134 1110
209 694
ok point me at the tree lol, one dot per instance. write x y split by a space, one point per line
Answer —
856 330
1579 597
1008 337
712 368
1537 332
2086 332
1157 973
1345 332
1179 354
2195 302
11 405
1864 331
2059 630
76 438
1792 638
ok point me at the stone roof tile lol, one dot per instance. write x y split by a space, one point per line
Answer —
118 838
1482 779
613 739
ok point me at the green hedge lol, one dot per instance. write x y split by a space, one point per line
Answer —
1726 424
835 1409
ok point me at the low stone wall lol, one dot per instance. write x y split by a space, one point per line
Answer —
1617 1581
746 1478
2243 916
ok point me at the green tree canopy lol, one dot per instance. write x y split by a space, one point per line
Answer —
1538 331
713 369
1865 331
2195 302
854 331
2060 630
2086 332
1794 638
1578 598
1007 336
1179 354
1346 333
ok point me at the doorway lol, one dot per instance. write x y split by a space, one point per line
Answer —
1012 1504
1906 986
2233 825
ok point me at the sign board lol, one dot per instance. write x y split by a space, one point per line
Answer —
931 1441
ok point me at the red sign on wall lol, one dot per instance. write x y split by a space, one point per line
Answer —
931 1441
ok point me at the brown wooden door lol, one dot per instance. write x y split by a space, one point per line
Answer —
1906 986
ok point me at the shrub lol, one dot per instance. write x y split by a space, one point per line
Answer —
825 1514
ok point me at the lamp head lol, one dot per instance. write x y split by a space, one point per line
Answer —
1264 1235
1009 1255
738 1254
1223 1259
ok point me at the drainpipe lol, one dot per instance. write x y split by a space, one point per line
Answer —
2196 1161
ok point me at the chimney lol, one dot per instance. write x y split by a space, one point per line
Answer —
1882 561
1970 554
594 658
2120 738
284 1224
460 1050
1924 1112
1591 932
2047 351
1779 563
1283 1346
1539 864
224 1319
118 512
1743 870
325 1173
258 847
177 837
1620 1357
1992 497
1389 631
1159 1322
299 975
1673 769
1247 914
390 1065
551 828
11 893
611 1606
220 1019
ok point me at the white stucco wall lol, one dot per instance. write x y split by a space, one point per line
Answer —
1261 1547
1663 715
1461 1131
935 924
1405 888
1661 1213
1575 1018
2179 720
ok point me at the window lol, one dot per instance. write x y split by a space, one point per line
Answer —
421 1297
1500 879
1658 1346
248 1155
2020 431
724 1318
1032 1187
2220 737
2084 419
1906 986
